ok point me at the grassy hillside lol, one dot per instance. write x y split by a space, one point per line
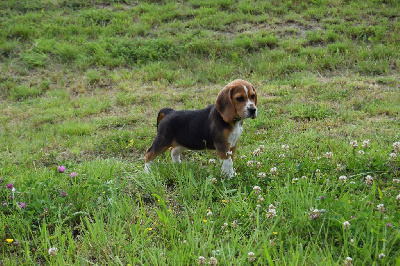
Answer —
81 83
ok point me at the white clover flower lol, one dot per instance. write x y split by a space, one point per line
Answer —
395 180
315 213
339 167
251 255
212 161
328 155
398 197
282 155
285 147
366 143
381 256
225 225
53 251
262 174
317 171
393 155
304 177
274 170
213 261
209 213
214 180
234 224
250 163
347 261
271 212
354 143
396 146
257 190
381 207
256 152
369 180
361 152
262 148
258 165
201 260
243 157
343 178
229 153
346 225
260 198
352 241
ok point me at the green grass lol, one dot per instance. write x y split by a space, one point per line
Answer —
81 83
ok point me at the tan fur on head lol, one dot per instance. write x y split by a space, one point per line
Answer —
232 99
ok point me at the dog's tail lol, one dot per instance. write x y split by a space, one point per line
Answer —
163 112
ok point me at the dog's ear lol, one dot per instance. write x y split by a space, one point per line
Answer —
225 105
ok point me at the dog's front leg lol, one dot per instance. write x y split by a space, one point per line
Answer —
227 163
176 153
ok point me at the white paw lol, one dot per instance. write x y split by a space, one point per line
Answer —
176 153
227 168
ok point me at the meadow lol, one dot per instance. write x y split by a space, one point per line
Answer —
318 171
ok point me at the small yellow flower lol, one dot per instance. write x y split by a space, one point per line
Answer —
149 228
9 240
275 233
205 220
348 201
383 239
224 201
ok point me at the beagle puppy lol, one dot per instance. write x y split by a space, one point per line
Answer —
217 127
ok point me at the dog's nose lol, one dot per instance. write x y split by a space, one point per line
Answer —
252 110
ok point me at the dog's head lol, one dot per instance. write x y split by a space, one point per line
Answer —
237 101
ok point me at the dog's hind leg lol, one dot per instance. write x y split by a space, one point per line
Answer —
158 147
176 153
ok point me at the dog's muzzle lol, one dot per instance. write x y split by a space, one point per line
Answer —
252 112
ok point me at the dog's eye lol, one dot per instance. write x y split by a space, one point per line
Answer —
253 96
240 99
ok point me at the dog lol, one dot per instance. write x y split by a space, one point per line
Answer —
217 127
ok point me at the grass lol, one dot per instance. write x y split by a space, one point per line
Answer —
81 84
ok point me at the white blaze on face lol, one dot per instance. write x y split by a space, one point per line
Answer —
246 91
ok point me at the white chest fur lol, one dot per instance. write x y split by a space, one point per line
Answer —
234 136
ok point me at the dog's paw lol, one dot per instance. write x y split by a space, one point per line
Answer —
227 168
